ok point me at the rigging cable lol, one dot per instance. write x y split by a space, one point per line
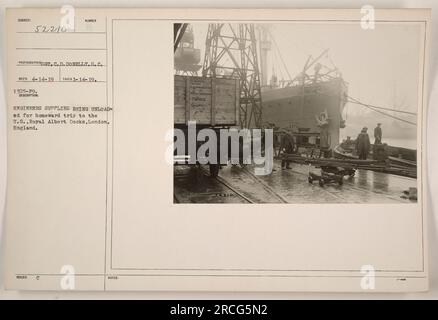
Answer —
279 53
384 113
353 100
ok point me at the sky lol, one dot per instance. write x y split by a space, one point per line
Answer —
381 66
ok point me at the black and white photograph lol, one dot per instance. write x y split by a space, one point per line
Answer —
137 139
296 112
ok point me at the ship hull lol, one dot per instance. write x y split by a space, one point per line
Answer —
297 107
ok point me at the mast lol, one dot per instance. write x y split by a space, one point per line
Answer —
265 47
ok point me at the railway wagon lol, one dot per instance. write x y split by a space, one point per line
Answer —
210 102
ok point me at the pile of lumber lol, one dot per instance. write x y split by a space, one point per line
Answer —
373 165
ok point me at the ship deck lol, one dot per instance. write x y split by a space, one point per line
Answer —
239 185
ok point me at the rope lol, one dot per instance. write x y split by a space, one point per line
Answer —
384 113
353 100
279 54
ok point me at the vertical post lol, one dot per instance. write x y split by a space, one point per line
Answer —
213 101
187 100
237 102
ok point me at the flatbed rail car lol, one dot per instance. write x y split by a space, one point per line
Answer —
210 102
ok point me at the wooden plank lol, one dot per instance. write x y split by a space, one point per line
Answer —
179 115
237 103
213 101
188 109
225 95
200 100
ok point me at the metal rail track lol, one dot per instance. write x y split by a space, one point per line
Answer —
221 181
229 186
265 186
226 184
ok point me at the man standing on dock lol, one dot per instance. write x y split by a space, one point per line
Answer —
378 134
287 147
363 144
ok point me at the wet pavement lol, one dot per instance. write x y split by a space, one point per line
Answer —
192 185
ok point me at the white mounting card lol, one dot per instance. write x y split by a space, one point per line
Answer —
99 98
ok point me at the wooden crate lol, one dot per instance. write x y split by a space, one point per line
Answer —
208 101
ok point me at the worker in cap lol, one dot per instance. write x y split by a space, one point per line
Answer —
363 144
287 146
378 134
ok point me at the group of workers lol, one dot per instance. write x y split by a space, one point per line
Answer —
363 144
363 141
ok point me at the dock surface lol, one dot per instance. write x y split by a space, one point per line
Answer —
192 184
